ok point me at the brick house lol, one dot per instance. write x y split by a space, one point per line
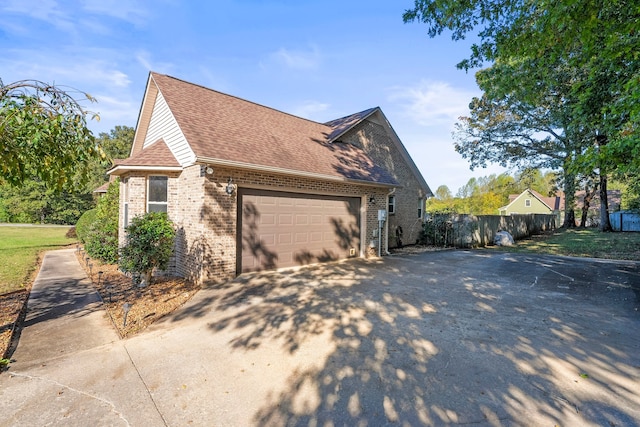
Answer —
250 188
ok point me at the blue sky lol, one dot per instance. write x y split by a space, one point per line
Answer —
319 59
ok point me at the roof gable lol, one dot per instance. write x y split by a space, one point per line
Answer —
222 129
552 203
344 124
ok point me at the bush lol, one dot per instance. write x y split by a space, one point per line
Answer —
71 234
84 223
101 241
149 244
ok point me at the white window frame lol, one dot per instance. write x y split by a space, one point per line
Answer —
158 203
391 205
420 208
527 203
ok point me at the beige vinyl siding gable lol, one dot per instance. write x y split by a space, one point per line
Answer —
164 125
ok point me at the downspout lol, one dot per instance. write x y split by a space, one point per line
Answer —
386 224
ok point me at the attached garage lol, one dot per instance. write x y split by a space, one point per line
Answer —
278 229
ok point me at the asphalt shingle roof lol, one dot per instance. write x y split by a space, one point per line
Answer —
223 127
157 154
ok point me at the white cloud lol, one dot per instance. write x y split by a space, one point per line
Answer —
310 109
128 11
114 111
298 59
144 58
44 10
432 103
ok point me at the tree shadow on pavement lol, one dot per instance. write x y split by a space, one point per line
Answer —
441 338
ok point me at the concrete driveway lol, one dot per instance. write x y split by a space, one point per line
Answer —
439 338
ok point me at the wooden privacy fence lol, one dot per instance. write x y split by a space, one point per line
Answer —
467 231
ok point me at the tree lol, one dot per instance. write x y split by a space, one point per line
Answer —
532 178
32 202
43 133
442 202
116 145
595 41
525 123
149 244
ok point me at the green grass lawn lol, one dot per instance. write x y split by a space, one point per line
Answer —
19 249
581 242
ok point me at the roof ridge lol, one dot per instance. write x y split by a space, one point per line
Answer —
238 98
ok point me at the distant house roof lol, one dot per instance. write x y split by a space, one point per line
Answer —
102 189
226 130
557 202
554 203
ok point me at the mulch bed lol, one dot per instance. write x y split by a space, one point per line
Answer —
12 306
147 305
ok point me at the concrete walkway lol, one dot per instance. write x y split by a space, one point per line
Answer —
444 338
69 367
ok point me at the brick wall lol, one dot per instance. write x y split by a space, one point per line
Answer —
206 216
374 139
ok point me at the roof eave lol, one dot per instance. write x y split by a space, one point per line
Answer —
122 169
292 172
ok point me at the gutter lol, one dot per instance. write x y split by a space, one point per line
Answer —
282 171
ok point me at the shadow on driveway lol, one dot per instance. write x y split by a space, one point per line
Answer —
438 338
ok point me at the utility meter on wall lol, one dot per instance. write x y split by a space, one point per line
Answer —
382 215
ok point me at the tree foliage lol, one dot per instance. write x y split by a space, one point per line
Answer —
571 66
116 145
33 202
43 133
485 195
149 244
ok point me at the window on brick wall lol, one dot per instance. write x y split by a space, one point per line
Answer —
420 208
392 205
157 189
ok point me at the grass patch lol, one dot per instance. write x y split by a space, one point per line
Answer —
581 242
19 250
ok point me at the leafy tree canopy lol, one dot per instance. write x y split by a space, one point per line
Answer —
485 195
33 202
43 133
568 69
116 145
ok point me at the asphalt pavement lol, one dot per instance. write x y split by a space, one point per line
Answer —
438 338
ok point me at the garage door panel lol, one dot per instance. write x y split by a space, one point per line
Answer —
285 238
285 229
285 219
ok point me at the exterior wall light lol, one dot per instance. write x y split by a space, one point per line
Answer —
372 199
230 187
